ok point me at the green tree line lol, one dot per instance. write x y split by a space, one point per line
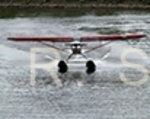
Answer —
80 1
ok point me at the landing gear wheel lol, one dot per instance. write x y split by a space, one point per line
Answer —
63 68
91 67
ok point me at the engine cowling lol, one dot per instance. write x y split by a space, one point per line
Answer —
62 67
91 67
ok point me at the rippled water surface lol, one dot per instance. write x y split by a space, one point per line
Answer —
101 95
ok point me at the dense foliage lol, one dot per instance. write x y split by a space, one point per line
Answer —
80 1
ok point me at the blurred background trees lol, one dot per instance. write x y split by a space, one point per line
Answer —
80 1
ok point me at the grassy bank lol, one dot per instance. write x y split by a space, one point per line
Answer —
126 4
74 5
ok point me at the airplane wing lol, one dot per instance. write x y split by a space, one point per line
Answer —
40 39
87 38
111 37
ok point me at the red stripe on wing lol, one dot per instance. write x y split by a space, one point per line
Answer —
40 39
112 37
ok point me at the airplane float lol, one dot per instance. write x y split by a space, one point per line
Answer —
76 46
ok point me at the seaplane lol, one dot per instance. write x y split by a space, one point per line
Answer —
77 46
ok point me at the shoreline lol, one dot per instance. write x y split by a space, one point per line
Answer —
74 5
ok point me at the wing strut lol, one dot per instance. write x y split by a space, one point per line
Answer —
52 46
97 47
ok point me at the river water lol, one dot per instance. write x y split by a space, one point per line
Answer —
101 95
